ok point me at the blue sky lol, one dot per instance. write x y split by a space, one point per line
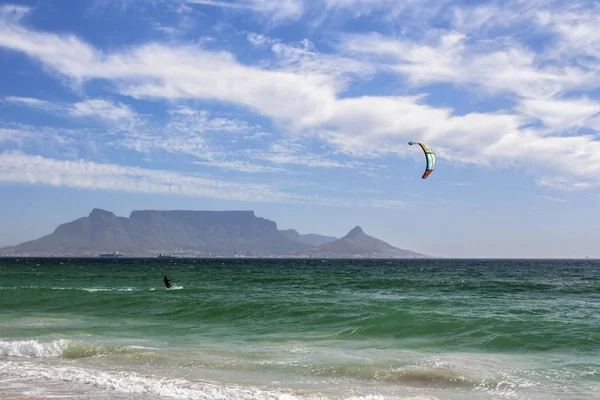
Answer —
302 110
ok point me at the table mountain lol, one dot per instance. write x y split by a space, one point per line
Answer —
150 232
197 233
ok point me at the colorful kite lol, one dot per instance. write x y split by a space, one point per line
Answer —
429 157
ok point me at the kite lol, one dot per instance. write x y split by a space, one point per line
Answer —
429 157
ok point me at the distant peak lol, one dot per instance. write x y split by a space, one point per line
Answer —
356 231
100 213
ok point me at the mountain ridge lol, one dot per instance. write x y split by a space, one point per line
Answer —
195 233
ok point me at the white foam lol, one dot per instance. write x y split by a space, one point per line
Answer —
32 348
93 290
132 383
27 323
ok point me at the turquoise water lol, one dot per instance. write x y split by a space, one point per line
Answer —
300 329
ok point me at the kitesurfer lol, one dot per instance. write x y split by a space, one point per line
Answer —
167 282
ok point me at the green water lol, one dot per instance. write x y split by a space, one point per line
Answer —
324 328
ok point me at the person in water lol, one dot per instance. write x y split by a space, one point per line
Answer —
167 282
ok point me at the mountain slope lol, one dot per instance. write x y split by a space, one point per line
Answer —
358 243
312 239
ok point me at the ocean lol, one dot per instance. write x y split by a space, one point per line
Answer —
299 329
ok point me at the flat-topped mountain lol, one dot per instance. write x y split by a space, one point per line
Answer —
358 243
150 232
197 234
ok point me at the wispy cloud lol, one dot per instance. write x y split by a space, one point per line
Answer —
277 11
502 68
556 199
389 9
575 25
113 113
562 114
189 132
24 168
32 102
563 183
462 184
67 143
294 153
242 166
102 109
304 58
185 119
19 167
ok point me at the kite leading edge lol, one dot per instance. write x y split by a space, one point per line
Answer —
429 157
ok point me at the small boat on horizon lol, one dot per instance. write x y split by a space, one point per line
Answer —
110 255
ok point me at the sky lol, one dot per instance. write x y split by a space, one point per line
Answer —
302 110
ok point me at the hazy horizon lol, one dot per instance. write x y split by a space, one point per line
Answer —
302 111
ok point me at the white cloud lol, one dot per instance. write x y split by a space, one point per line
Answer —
448 57
103 109
242 166
294 153
176 144
561 114
481 16
277 11
13 135
577 29
31 102
185 133
194 133
413 10
258 39
114 113
280 10
302 95
303 58
188 120
13 12
563 162
19 167
187 72
373 126
24 168
225 4
556 199
565 184
65 143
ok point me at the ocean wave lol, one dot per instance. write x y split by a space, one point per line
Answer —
69 349
134 383
32 348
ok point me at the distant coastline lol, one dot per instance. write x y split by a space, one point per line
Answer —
283 257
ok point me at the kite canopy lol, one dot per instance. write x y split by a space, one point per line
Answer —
429 157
